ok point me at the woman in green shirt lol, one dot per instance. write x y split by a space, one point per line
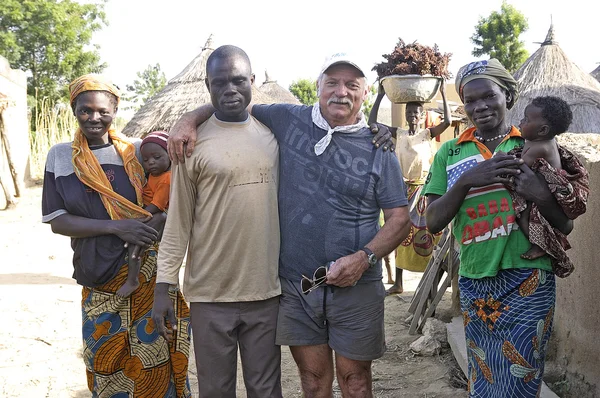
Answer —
507 302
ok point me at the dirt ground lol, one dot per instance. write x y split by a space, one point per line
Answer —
40 337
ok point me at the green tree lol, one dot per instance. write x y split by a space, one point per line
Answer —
305 90
51 39
149 82
498 36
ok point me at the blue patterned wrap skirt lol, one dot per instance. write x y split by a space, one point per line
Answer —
508 322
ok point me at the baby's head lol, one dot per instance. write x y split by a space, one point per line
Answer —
545 118
155 157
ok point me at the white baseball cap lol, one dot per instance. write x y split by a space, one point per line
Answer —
341 58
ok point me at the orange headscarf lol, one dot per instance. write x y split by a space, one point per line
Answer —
92 82
88 169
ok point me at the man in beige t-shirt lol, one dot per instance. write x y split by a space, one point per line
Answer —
223 210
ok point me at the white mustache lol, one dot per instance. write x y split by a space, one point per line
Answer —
345 101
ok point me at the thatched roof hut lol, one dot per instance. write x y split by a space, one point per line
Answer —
183 93
277 92
596 73
549 72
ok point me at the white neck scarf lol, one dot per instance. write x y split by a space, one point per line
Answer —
321 123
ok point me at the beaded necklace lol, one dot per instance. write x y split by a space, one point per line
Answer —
484 140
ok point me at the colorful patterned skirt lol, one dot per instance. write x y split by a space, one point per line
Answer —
508 321
414 252
123 353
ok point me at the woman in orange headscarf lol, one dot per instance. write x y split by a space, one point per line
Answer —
93 194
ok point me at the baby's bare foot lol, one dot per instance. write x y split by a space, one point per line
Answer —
534 252
128 288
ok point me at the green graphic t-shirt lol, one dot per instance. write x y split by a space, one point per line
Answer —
486 225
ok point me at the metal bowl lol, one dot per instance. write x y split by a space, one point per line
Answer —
401 89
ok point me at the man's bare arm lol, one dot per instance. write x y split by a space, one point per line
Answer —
346 271
394 230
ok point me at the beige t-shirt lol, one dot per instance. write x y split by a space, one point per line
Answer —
224 203
415 153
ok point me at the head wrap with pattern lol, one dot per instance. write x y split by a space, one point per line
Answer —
492 70
92 82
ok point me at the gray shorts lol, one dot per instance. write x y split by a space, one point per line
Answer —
350 320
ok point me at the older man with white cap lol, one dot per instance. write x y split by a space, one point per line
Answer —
333 184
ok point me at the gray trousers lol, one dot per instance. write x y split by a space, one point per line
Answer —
218 329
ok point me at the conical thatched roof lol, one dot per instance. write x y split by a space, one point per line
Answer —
596 73
183 93
549 72
274 90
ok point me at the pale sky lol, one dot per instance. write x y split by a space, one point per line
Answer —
292 39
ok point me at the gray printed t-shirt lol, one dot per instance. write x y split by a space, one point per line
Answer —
329 205
96 259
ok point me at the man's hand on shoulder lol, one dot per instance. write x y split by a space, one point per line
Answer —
182 136
383 136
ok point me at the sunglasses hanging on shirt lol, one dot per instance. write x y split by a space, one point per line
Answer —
319 277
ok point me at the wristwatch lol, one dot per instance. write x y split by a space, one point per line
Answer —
371 257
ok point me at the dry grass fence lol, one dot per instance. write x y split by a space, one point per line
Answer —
53 124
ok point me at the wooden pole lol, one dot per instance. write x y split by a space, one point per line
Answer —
455 304
11 165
